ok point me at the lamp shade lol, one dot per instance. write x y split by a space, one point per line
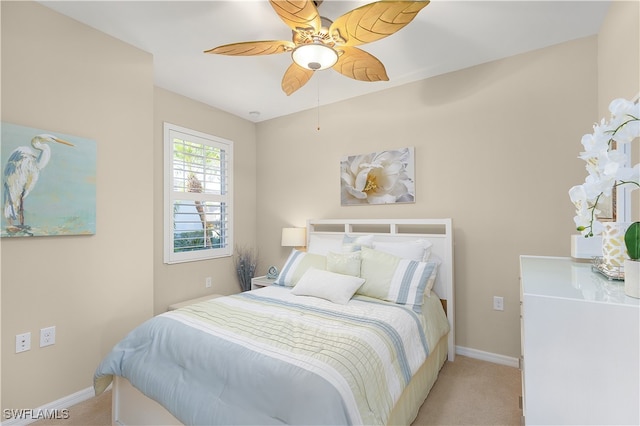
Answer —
294 237
314 56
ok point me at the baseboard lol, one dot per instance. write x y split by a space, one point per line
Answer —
488 356
53 410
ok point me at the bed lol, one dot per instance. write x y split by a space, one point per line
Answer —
354 331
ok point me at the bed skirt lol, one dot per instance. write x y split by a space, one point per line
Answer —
414 395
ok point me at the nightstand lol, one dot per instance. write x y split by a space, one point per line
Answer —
259 282
179 305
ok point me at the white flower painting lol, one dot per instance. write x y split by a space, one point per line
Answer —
385 177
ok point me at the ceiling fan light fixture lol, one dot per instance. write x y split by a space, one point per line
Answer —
315 56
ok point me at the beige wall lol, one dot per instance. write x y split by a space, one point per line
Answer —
178 282
62 76
619 67
619 54
495 149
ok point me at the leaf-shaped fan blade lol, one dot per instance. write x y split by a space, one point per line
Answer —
299 15
374 21
294 78
360 65
251 48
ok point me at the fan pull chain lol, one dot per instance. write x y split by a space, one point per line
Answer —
318 80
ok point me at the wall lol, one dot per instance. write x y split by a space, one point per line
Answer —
62 76
619 67
496 150
619 54
178 282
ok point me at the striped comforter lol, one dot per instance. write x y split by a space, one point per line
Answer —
269 357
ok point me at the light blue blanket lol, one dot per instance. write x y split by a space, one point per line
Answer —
268 357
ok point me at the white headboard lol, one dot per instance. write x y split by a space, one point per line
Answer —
438 231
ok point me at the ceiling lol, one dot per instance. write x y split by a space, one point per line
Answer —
446 36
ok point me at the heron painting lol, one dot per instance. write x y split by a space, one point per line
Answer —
48 183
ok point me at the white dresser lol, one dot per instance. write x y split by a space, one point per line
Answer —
580 345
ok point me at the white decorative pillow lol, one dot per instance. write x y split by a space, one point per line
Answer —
355 243
322 244
336 288
344 263
418 250
393 278
296 265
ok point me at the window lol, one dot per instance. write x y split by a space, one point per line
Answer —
198 203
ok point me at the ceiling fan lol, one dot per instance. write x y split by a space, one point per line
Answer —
318 43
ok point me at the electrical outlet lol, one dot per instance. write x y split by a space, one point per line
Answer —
47 336
207 282
498 303
23 342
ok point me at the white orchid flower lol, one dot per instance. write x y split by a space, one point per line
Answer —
578 197
624 121
622 107
607 167
615 160
628 132
596 142
596 185
595 164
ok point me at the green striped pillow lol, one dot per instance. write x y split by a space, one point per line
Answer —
296 265
394 279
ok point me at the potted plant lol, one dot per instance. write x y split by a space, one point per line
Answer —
609 168
632 265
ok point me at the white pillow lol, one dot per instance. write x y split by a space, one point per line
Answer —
322 244
336 288
418 250
355 243
344 263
